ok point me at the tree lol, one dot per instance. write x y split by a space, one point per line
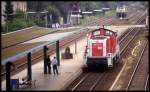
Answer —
63 7
8 11
52 10
36 6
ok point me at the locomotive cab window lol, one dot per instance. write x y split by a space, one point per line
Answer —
108 33
96 33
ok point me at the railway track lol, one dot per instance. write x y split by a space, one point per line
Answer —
139 78
147 83
130 59
110 75
101 82
123 21
25 40
128 38
88 82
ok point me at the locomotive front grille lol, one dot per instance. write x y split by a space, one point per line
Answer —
97 61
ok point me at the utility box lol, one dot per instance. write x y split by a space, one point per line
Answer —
14 84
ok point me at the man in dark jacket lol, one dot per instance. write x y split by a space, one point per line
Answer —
49 64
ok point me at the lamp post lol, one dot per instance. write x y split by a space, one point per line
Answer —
50 20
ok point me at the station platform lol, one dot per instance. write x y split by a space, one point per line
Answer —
68 70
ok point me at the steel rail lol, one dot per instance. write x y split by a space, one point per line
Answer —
83 79
126 35
146 84
140 19
97 81
129 41
135 69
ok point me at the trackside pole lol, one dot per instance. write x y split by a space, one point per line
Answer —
29 71
8 67
75 46
45 56
57 52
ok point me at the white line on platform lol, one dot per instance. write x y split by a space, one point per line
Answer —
117 78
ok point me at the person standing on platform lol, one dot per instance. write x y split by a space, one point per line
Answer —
55 63
49 64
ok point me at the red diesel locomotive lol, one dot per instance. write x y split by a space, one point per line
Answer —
102 48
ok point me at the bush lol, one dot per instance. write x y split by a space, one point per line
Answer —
19 14
17 24
3 29
55 14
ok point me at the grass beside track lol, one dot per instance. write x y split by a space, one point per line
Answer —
90 19
12 51
21 36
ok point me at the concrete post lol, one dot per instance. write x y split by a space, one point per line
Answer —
29 71
45 61
87 39
8 67
57 52
75 46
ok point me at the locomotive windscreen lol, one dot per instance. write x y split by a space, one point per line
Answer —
96 33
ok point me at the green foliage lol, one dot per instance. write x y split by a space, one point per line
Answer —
62 8
19 22
55 13
89 6
3 29
88 19
19 14
8 11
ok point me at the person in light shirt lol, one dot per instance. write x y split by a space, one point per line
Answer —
54 64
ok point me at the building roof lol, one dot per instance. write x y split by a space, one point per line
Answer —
97 10
87 12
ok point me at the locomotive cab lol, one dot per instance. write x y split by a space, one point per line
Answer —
102 48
